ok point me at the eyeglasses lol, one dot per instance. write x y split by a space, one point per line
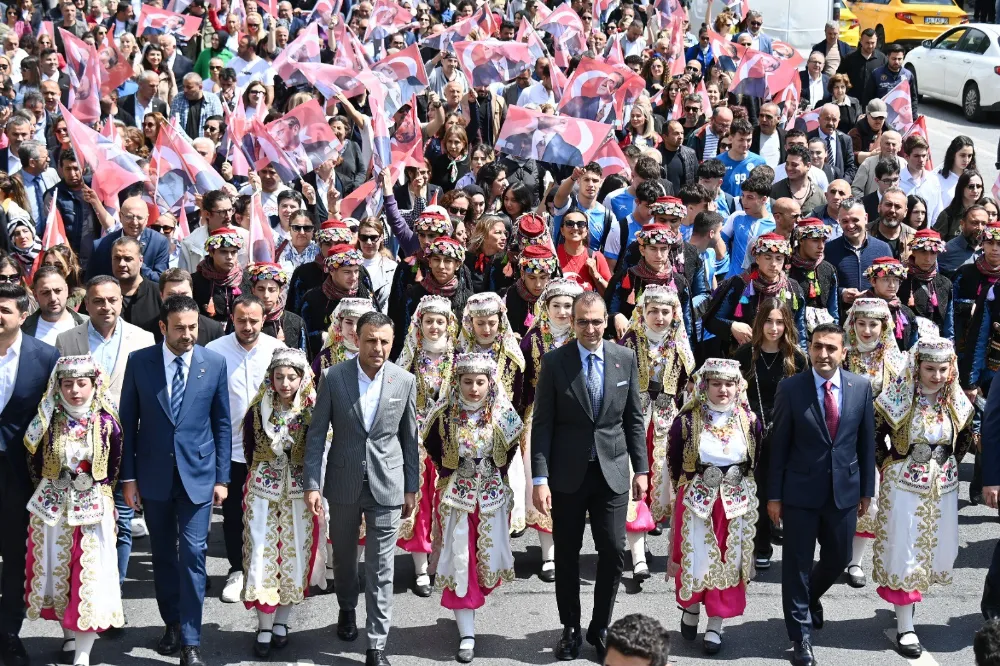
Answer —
256 92
303 228
225 212
692 69
589 323
164 229
456 210
889 181
569 224
369 239
756 24
132 218
11 277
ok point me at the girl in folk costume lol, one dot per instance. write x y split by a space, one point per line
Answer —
269 283
885 275
282 539
219 279
342 337
927 419
471 435
486 329
713 447
538 264
552 328
428 354
736 301
925 290
659 339
871 352
74 445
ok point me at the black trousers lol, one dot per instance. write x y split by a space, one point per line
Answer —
13 546
232 516
802 582
607 510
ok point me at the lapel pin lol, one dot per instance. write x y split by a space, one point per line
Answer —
617 365
388 380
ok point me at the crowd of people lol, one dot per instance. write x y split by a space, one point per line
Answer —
753 332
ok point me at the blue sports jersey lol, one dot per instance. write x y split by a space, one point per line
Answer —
737 172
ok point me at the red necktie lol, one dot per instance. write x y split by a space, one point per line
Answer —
830 409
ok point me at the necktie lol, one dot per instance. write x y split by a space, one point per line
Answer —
831 410
829 149
594 388
36 185
177 389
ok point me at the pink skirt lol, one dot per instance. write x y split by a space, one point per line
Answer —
476 595
419 526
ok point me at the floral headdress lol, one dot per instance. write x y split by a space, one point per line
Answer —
335 232
558 286
727 369
869 308
476 363
538 260
487 304
896 399
668 207
657 234
51 405
886 267
771 242
290 427
445 246
531 229
992 232
267 271
812 227
347 307
434 219
414 335
342 255
929 241
223 237
676 334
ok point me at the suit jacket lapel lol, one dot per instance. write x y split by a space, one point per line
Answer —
574 371
196 375
159 376
123 351
817 409
609 367
349 377
389 384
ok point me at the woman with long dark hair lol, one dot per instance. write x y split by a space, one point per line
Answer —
968 189
516 200
493 179
916 212
772 354
961 155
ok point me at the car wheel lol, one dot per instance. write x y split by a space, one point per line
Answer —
970 102
915 88
880 37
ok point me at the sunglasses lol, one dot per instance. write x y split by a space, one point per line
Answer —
215 67
10 278
756 24
302 228
455 210
164 229
368 239
575 225
692 109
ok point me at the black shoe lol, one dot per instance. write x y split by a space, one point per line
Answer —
466 656
191 656
802 653
711 647
856 577
656 531
375 657
762 562
279 641
911 651
518 534
816 612
688 631
569 645
12 651
599 639
170 642
347 626
975 499
990 605
262 648
547 575
777 534
422 591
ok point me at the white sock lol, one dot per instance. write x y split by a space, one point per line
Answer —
860 546
904 623
465 618
329 559
265 624
637 544
281 617
548 547
420 563
714 624
84 644
691 615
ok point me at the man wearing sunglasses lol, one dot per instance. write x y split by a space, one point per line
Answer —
216 211
759 40
155 246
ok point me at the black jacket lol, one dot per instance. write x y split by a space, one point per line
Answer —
859 70
755 143
129 105
843 165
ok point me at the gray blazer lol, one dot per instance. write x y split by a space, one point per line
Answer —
77 341
563 427
389 450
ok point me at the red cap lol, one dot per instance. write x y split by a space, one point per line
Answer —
927 233
530 225
537 252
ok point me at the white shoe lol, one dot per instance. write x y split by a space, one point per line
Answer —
139 528
233 588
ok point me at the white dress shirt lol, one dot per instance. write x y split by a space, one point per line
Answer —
168 365
536 94
925 185
838 394
770 149
369 393
247 370
9 363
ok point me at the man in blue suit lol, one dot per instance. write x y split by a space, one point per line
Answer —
822 477
155 246
759 40
176 453
25 366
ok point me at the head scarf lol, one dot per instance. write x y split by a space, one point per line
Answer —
282 436
896 399
27 256
487 304
414 335
555 287
346 307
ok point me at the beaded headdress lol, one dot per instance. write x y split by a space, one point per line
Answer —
657 234
771 242
897 399
886 267
223 237
812 227
668 207
487 304
560 286
286 357
676 334
538 260
342 255
334 232
928 240
430 304
435 219
71 367
267 271
992 232
531 228
475 364
445 246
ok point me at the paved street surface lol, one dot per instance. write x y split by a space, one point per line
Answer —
520 624
945 121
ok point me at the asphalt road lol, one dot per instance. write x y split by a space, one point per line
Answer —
945 122
519 623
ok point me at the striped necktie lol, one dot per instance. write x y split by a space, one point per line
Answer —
177 389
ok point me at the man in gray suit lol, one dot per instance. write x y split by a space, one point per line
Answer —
587 426
371 470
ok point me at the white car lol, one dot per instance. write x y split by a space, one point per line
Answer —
961 66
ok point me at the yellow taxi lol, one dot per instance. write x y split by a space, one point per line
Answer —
908 22
850 30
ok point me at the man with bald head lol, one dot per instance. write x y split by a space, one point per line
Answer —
769 139
155 247
829 213
889 144
144 100
839 147
52 94
705 140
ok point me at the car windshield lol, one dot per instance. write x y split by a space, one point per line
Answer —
940 3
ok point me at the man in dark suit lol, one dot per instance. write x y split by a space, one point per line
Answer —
26 366
587 426
839 147
179 63
822 477
813 71
176 453
144 100
123 21
155 246
766 131
833 40
178 282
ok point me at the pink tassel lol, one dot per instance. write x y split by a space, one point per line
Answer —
739 310
934 299
900 323
529 320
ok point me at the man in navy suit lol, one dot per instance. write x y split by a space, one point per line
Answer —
176 453
155 246
822 477
25 366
